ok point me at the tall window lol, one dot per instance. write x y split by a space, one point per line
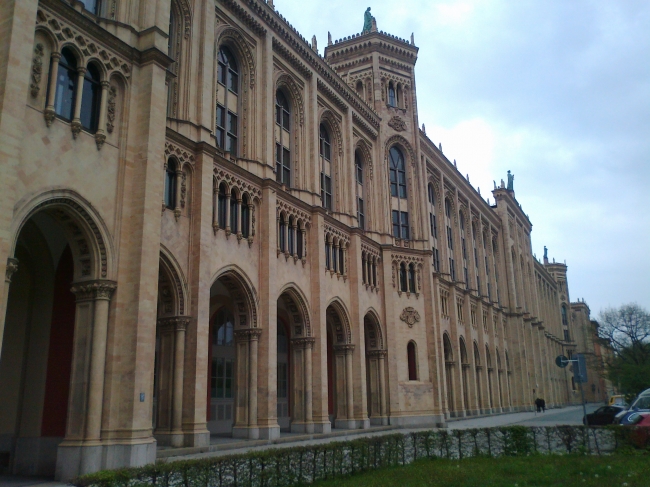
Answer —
299 241
392 99
328 254
397 173
66 84
233 211
565 318
292 235
170 184
90 99
400 224
222 201
450 239
412 361
463 246
495 251
227 101
403 284
411 278
282 139
361 213
245 216
433 227
326 168
282 236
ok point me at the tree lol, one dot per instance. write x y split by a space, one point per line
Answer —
626 330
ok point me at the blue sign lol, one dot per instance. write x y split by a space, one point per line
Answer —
580 369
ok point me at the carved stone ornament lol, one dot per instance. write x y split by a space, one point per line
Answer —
37 70
410 316
91 290
110 113
397 123
12 267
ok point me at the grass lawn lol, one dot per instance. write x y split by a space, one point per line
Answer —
547 470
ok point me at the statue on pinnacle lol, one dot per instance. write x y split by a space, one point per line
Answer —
367 21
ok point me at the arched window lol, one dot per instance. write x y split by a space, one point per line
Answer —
299 242
359 88
411 278
334 257
282 230
412 361
328 248
326 168
245 216
173 51
223 371
233 211
292 235
227 101
403 285
222 205
90 99
363 267
374 273
282 139
361 213
341 259
433 228
450 240
400 96
392 99
170 184
66 84
431 194
463 247
397 173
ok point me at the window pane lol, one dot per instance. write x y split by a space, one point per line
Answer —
90 103
285 120
65 88
233 81
232 123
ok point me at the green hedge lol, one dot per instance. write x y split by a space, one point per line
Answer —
305 464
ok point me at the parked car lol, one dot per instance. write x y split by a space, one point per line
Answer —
603 415
618 400
640 407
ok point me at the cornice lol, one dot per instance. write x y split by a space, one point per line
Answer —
330 95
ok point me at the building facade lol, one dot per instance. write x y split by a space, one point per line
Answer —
208 228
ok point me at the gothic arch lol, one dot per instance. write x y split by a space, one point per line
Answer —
366 152
372 318
337 312
88 235
232 38
334 124
172 287
242 292
296 303
402 143
288 85
448 350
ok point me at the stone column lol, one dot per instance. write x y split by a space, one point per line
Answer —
349 399
100 135
254 335
228 213
50 112
12 267
381 364
309 344
75 126
215 209
179 371
101 291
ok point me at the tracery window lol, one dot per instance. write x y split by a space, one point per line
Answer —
463 246
93 6
227 121
245 216
66 85
282 139
411 273
326 168
403 284
282 233
392 99
397 173
222 202
433 227
234 206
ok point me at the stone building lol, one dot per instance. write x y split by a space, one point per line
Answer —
208 228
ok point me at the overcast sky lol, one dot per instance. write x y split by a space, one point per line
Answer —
556 91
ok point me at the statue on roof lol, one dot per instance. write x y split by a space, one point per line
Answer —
367 21
511 178
545 253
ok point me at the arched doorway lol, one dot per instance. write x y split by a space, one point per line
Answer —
376 387
169 363
54 339
232 358
294 364
464 363
449 368
339 368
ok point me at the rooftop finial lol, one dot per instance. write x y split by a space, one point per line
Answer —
270 2
424 130
314 44
511 178
412 39
329 38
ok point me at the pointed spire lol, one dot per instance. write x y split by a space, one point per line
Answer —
329 38
412 39
314 44
424 130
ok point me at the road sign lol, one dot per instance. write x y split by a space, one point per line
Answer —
580 369
561 361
